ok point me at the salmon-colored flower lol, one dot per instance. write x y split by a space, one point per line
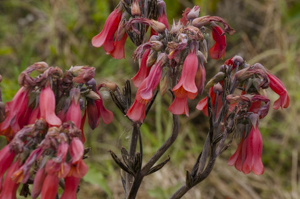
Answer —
74 113
23 173
38 183
50 186
137 111
186 86
76 150
6 158
106 37
71 185
10 187
247 157
16 110
179 106
277 86
152 80
47 106
119 51
143 71
217 51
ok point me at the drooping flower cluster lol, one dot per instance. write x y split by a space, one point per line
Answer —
114 33
248 100
184 46
44 128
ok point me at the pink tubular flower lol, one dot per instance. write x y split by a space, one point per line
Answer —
137 111
78 168
16 109
58 166
218 49
143 71
118 52
71 185
152 81
107 116
162 13
50 187
277 86
74 113
10 187
47 107
106 37
76 150
247 157
34 115
38 183
179 106
6 158
186 86
23 173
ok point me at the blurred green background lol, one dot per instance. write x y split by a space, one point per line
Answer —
267 31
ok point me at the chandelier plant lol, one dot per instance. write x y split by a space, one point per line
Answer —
43 124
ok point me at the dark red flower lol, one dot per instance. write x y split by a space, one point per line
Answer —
217 51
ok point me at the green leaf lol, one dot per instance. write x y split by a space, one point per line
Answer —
93 176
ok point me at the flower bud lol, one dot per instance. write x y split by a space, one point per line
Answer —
218 77
92 95
237 60
92 84
218 88
157 45
158 26
176 28
41 66
135 8
110 85
233 98
194 13
0 78
75 94
151 58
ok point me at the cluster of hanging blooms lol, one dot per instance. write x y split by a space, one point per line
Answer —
43 125
182 50
248 101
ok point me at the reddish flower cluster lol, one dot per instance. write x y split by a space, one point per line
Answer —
250 104
183 46
44 128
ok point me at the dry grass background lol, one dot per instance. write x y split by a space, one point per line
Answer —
268 31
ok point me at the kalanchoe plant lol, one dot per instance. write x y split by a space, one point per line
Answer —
174 59
43 125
